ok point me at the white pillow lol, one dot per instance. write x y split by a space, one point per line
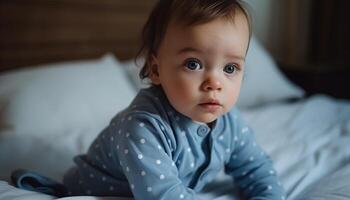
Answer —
133 68
263 82
65 96
51 113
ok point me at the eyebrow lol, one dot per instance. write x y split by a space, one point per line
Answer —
188 49
191 49
242 58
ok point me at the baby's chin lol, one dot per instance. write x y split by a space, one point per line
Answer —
205 119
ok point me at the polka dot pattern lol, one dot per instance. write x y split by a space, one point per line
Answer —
149 156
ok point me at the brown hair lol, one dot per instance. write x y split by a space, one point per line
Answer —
189 12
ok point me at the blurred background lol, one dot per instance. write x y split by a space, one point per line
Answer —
309 39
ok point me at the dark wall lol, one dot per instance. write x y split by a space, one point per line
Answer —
43 31
330 33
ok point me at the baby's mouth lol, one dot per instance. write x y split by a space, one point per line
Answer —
210 102
210 105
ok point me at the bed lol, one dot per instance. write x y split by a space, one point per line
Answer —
52 112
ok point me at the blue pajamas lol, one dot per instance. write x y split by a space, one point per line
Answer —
150 151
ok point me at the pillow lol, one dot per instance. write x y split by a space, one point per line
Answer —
133 69
263 82
55 98
51 113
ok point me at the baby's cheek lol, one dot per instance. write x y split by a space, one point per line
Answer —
180 99
232 100
186 92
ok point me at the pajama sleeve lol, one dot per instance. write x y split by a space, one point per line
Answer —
250 167
145 149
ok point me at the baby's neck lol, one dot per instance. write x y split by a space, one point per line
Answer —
210 124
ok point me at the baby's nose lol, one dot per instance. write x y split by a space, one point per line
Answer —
211 84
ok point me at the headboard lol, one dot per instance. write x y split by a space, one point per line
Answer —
33 32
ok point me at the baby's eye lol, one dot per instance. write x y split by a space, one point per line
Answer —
230 68
193 64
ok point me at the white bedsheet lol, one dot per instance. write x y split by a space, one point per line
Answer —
308 141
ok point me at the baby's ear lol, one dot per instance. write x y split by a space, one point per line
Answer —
154 74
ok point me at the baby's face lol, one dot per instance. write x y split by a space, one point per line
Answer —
200 68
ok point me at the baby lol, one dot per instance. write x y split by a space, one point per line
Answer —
180 132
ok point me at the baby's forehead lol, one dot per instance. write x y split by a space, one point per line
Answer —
239 19
220 35
186 21
206 15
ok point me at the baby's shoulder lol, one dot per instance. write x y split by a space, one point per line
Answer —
148 104
136 123
136 117
149 100
233 115
234 120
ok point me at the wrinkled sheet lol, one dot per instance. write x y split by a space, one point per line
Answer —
307 140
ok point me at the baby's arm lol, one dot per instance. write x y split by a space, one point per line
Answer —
145 156
251 168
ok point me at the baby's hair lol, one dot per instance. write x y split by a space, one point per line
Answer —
188 12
